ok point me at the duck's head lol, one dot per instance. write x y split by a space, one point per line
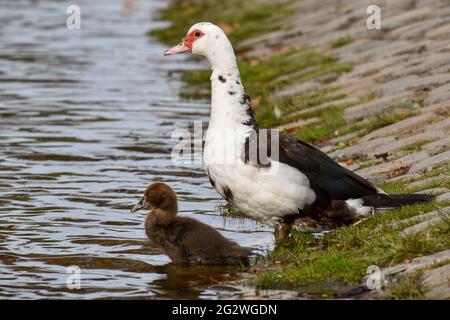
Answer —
208 40
158 196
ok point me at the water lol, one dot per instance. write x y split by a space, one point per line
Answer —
86 118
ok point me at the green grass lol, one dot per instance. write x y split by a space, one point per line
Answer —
345 254
330 122
414 147
242 19
261 78
341 42
401 186
383 119
229 210
407 288
411 286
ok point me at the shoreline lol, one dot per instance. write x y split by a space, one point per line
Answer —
324 89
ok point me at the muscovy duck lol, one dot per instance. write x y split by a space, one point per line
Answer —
300 181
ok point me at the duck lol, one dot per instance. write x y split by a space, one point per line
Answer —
295 179
185 240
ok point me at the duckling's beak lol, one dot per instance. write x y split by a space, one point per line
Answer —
142 204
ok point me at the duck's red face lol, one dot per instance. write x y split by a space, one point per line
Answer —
186 43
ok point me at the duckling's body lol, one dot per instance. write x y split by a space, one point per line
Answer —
183 239
187 240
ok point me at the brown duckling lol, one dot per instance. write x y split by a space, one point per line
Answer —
183 239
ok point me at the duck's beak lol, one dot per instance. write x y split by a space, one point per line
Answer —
138 206
181 47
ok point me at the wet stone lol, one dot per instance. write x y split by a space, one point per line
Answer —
373 107
361 149
425 224
345 137
442 108
428 181
438 146
409 124
405 178
414 82
297 124
441 125
430 163
433 191
437 282
394 167
443 198
443 32
439 94
337 103
410 140
422 217
415 265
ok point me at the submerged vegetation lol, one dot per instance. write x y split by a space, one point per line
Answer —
343 254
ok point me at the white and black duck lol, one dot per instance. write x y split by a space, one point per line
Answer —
302 181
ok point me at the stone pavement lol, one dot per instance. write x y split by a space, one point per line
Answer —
404 66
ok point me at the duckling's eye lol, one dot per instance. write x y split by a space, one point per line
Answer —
197 34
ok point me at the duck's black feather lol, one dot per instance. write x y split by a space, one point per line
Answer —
329 180
322 171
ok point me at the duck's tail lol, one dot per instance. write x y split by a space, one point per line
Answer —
382 200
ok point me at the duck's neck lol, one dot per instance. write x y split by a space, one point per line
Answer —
160 217
229 103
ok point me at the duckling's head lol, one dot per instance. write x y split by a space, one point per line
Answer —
159 197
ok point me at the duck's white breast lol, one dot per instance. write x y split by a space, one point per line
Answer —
263 193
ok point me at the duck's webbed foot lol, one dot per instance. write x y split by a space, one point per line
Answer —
284 228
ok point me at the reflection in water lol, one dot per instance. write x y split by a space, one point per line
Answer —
86 118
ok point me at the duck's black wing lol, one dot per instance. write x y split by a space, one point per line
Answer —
328 179
324 174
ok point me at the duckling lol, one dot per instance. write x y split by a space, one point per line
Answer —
183 239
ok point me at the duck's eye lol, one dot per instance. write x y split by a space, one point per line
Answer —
197 34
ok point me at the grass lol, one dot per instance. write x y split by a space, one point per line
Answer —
345 254
229 210
341 42
411 286
382 119
330 122
261 76
414 147
400 186
407 288
264 76
240 19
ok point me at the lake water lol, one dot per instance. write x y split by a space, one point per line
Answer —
86 118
